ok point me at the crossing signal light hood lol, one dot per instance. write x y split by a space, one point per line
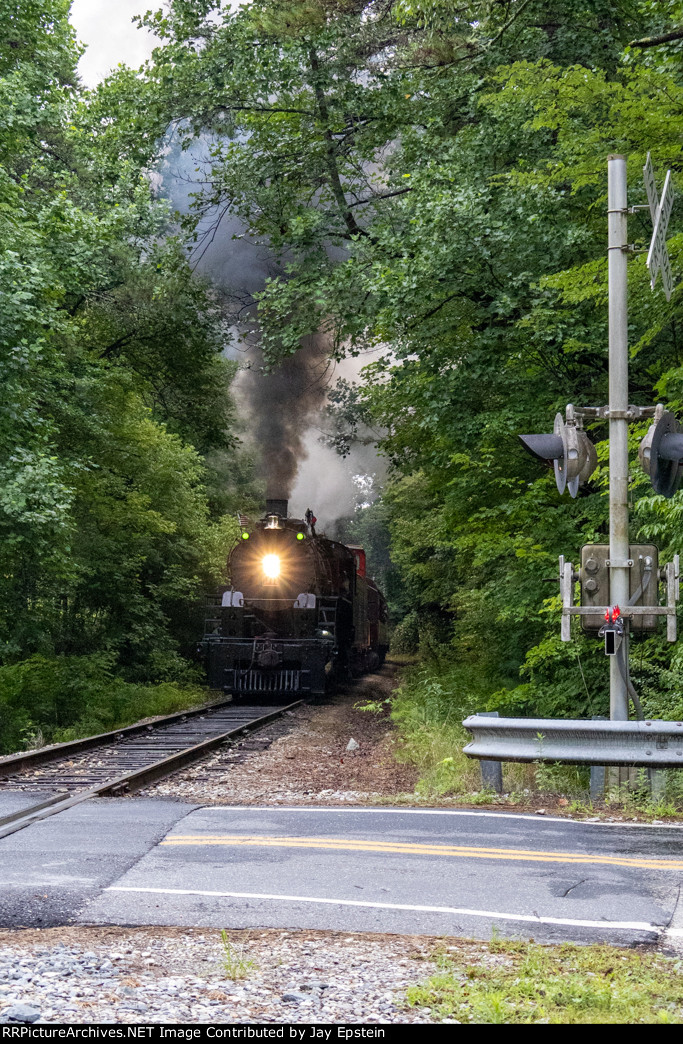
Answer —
661 453
568 450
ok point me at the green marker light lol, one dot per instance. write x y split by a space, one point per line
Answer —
245 536
300 536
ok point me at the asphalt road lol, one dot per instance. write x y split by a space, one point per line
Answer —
141 861
51 870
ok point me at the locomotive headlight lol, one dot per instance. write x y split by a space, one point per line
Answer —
271 566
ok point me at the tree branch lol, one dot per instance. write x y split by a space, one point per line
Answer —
387 195
433 311
230 107
331 159
107 352
510 22
657 41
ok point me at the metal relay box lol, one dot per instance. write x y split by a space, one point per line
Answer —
644 584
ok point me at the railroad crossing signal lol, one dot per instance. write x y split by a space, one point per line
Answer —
660 212
569 450
623 577
661 452
571 453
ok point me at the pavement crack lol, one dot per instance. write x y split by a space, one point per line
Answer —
675 909
572 887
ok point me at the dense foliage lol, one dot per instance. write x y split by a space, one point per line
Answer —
112 387
431 176
429 179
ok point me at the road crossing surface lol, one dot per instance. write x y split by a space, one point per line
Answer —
417 871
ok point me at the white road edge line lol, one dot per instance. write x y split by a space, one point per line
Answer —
433 812
637 926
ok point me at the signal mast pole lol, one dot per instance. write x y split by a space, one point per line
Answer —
618 422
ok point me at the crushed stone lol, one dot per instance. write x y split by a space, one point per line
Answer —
306 757
123 975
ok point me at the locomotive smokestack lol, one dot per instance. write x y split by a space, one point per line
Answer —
276 507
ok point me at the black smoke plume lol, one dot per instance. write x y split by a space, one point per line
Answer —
282 405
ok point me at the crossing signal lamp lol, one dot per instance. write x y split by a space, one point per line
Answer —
661 453
568 450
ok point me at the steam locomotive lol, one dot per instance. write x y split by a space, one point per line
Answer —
300 615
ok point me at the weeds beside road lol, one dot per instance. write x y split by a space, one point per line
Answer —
428 708
520 982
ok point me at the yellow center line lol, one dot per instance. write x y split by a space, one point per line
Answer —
408 848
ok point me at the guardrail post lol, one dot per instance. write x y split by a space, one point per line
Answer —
491 771
597 791
598 773
596 782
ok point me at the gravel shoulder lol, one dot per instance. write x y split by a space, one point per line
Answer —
303 759
123 975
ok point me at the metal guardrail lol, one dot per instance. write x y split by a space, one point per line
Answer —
657 744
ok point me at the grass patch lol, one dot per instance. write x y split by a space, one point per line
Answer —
136 702
235 963
428 708
51 700
517 982
639 797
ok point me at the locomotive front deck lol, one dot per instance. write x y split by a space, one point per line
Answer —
301 667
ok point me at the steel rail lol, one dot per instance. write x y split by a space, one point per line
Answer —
657 744
137 778
11 763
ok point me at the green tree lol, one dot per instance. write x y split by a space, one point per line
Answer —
113 385
430 178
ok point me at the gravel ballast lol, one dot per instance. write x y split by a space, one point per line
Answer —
88 975
332 753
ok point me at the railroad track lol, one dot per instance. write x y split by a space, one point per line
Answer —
117 763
